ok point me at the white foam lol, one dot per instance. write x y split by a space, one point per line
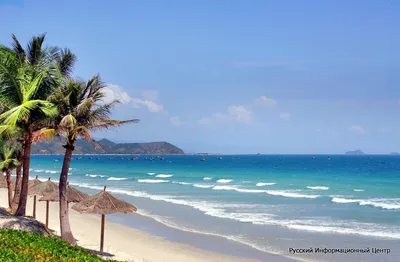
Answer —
152 181
164 175
318 187
364 230
358 190
289 194
203 186
90 175
117 178
51 171
151 174
224 180
181 183
38 171
207 178
385 203
219 210
225 188
265 184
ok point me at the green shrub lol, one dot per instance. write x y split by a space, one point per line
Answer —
18 245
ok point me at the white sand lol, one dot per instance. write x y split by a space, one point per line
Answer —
125 243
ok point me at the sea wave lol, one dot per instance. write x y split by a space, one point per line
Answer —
151 174
181 183
318 187
220 210
38 171
164 175
207 178
152 181
202 186
358 190
90 175
51 171
117 178
224 180
282 193
225 188
265 184
384 203
289 194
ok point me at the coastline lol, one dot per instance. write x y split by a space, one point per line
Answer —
127 243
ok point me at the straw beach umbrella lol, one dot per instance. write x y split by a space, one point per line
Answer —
43 189
32 183
103 203
73 195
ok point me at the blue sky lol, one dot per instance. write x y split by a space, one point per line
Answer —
235 76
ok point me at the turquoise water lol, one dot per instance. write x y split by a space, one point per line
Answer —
253 199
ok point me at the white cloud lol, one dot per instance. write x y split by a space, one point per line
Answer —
285 115
235 113
265 101
356 129
113 92
175 121
151 95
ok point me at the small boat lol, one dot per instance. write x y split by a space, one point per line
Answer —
97 158
90 158
162 158
202 159
109 158
220 158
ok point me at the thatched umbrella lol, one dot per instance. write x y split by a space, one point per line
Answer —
103 203
32 183
73 195
43 189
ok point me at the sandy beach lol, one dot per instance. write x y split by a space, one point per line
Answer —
124 243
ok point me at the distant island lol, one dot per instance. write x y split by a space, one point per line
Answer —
105 146
355 152
394 153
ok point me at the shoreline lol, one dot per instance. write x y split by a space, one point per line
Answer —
119 238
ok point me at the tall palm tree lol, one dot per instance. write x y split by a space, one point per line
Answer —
81 110
18 179
27 78
8 163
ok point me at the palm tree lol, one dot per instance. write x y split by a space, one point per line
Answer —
8 162
81 110
18 179
27 78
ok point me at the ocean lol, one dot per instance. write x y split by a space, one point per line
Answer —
270 203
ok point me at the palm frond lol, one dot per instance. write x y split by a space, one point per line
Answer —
45 134
34 50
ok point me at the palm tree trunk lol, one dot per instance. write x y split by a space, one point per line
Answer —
8 173
66 233
26 161
18 183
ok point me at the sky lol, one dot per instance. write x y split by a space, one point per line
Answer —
230 76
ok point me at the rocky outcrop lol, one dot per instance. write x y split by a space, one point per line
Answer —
22 223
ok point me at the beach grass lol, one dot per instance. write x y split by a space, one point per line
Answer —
24 246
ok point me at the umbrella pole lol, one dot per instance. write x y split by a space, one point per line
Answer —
34 206
47 214
102 234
